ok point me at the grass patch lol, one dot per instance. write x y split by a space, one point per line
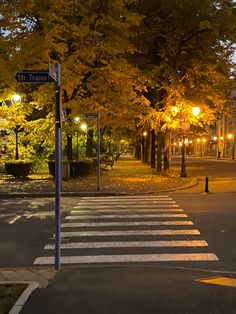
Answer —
9 293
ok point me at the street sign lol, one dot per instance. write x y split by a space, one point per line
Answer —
90 115
32 77
53 71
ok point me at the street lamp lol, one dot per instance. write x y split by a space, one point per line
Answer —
145 150
231 139
83 126
185 127
16 98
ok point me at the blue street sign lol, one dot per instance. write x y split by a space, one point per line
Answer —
33 77
89 115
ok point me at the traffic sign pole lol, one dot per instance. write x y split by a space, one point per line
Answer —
98 150
38 76
58 170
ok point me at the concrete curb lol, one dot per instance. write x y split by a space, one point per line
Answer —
95 193
24 296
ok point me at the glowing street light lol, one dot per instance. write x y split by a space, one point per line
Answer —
195 112
144 147
83 126
16 98
230 136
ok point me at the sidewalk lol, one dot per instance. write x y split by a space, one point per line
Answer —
127 176
131 290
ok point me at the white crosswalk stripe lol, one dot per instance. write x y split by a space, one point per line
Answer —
128 229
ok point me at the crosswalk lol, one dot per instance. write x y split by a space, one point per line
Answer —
128 229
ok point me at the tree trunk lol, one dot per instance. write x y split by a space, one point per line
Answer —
69 148
166 160
89 143
159 151
17 150
137 151
153 148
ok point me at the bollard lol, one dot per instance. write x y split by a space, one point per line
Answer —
206 185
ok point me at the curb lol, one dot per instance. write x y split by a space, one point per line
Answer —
17 307
95 193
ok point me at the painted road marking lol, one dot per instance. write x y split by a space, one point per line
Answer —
12 221
105 210
128 258
128 213
109 206
131 223
127 216
221 281
129 244
128 233
126 197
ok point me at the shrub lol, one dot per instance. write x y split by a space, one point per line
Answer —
75 168
18 168
82 167
65 167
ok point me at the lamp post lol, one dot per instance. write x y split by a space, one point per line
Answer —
183 173
231 140
185 128
16 99
77 120
145 148
215 147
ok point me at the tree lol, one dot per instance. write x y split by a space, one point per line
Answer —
186 48
90 39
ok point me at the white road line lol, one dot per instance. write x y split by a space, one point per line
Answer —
128 233
105 210
40 214
129 258
128 244
128 202
125 216
125 223
12 221
126 197
147 205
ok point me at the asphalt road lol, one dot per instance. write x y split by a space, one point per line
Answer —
27 225
24 232
161 287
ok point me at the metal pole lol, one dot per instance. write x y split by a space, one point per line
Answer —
98 150
183 164
58 170
206 185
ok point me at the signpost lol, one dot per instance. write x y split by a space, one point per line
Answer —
58 169
39 76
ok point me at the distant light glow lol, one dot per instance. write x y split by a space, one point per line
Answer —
84 126
77 119
16 97
195 111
